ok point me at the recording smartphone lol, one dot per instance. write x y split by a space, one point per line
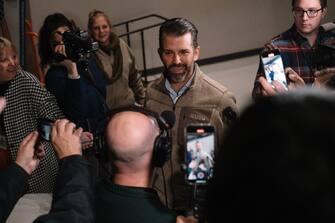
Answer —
44 128
274 67
199 157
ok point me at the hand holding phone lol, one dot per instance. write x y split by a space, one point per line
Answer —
274 68
199 157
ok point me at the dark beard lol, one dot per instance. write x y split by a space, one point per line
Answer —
176 78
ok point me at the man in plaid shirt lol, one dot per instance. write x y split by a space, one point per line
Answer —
297 47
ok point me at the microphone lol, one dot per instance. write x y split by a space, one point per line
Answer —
168 119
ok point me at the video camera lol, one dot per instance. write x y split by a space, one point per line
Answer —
78 46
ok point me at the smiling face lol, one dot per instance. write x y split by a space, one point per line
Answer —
178 56
101 30
305 25
8 64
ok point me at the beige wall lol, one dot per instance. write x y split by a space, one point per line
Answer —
225 26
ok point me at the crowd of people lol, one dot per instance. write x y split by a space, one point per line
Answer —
272 163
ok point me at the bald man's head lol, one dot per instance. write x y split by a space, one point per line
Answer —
130 137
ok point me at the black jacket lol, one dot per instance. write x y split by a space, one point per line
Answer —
73 195
13 184
72 198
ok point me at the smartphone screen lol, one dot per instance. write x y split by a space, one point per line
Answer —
44 128
273 67
200 144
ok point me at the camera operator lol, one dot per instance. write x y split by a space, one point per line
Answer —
77 84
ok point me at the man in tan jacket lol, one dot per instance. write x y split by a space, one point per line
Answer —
194 98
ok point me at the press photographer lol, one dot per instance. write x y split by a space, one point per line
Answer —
72 76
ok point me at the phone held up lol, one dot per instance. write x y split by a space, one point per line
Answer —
274 67
44 128
199 157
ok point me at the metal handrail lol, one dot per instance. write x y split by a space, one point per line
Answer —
141 31
140 18
126 23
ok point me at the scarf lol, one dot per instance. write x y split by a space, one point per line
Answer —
109 59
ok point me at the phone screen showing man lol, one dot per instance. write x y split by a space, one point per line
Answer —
274 68
199 154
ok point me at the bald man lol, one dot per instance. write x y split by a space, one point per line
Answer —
127 197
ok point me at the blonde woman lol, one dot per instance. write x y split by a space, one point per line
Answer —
116 60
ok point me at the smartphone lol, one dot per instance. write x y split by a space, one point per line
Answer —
274 67
199 157
44 128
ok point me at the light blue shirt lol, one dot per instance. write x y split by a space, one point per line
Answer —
176 95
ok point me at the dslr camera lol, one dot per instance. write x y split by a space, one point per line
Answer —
78 46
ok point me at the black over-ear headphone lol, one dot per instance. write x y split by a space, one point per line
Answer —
162 143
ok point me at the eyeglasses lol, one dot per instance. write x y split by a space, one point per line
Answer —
310 12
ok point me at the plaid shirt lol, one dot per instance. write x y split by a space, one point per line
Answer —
296 53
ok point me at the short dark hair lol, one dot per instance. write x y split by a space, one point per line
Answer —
322 2
277 162
178 27
50 24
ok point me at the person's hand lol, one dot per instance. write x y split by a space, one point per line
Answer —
323 76
188 219
69 64
60 49
295 81
2 104
27 156
66 138
271 89
86 140
71 68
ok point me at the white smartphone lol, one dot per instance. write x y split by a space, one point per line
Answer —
273 67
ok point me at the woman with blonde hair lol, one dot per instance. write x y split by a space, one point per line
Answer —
26 102
116 60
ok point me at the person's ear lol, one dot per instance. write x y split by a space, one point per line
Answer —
196 53
324 12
